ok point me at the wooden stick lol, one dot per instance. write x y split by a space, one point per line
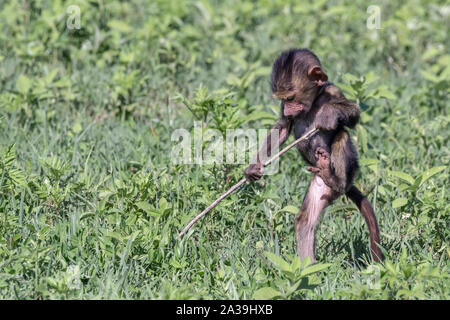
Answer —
243 180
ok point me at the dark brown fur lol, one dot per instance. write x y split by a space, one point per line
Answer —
313 102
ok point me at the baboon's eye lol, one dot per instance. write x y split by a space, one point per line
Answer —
290 98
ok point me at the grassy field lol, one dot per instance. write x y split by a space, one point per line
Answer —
91 203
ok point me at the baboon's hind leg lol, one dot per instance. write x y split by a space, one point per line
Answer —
317 198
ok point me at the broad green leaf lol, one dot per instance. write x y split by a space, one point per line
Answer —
430 53
23 84
368 161
362 138
370 77
429 173
403 176
383 92
365 117
266 293
119 26
390 267
163 204
350 78
296 264
278 261
144 206
382 190
429 76
399 202
50 76
263 71
155 214
77 127
291 289
306 262
174 263
291 209
303 284
314 268
114 235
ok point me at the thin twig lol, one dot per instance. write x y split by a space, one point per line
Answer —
242 181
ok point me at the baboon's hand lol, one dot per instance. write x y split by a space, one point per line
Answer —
254 171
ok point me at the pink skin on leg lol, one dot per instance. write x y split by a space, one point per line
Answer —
317 198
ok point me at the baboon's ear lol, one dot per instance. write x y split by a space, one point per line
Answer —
317 75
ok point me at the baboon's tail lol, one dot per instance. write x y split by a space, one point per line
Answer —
369 215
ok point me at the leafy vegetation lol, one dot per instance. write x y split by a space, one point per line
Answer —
91 203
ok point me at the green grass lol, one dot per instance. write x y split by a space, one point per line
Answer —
91 203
